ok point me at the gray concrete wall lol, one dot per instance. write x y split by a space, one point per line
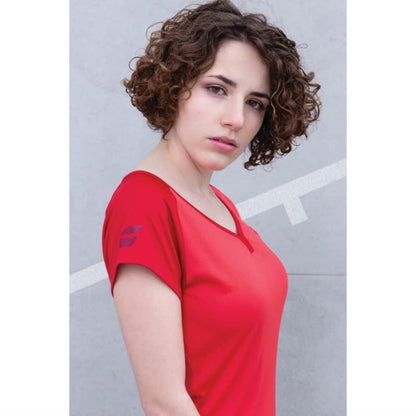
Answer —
109 137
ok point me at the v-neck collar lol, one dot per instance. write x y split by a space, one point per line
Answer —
237 221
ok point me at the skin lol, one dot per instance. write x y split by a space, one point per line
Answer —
218 109
187 158
149 311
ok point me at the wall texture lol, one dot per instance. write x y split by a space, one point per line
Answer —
305 227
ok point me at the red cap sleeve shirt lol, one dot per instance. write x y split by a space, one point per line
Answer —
232 289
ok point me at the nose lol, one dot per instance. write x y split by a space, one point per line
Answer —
233 115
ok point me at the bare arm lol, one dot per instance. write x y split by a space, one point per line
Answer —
149 312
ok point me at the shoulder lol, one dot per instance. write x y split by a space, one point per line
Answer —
140 200
141 189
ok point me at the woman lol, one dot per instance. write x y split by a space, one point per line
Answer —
198 294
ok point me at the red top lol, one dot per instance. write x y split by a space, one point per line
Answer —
231 285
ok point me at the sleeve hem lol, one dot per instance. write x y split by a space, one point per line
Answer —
152 269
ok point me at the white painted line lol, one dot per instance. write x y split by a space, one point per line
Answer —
287 195
295 211
87 277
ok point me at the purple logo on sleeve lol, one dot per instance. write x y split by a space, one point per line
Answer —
129 241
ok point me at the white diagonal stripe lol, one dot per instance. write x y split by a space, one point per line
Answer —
289 192
287 195
87 277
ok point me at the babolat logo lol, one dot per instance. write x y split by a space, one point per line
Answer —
129 239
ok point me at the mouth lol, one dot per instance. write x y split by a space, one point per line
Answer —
225 140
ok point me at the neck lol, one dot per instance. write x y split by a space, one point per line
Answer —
178 165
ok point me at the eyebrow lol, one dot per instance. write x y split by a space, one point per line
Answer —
234 84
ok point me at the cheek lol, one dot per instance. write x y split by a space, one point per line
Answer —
255 123
192 113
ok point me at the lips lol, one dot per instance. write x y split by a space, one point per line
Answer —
225 139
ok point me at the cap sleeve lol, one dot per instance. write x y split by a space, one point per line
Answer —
140 228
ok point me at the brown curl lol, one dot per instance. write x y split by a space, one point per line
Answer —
185 47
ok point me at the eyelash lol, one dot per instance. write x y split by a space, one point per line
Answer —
257 105
211 88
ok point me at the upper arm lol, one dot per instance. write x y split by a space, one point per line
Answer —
149 312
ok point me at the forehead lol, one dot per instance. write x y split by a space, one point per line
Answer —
242 63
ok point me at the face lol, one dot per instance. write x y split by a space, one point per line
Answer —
225 110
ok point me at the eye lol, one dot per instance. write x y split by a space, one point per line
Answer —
257 105
215 89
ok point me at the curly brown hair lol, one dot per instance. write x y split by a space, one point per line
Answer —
185 47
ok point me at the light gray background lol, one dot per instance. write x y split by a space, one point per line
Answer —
108 139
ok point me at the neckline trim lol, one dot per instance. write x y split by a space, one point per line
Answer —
236 220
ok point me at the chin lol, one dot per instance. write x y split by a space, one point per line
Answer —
215 162
216 169
217 165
